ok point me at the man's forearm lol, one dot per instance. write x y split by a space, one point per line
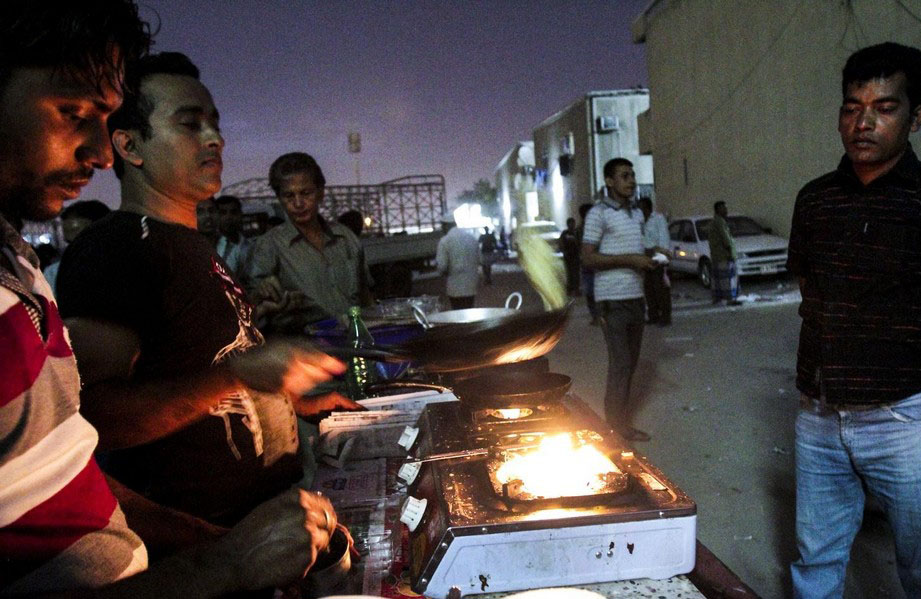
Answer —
128 413
163 530
596 261
196 572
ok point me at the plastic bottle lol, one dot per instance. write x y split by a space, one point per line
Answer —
361 372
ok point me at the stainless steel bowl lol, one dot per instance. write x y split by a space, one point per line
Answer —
329 573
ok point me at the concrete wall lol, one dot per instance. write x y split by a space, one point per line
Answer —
576 126
745 94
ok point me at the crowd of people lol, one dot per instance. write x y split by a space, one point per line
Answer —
149 431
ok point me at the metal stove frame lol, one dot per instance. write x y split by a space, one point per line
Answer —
464 542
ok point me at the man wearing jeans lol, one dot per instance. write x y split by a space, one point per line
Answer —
612 246
855 245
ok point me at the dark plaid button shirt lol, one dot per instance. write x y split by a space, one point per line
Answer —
858 250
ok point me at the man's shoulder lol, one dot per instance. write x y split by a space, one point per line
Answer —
821 184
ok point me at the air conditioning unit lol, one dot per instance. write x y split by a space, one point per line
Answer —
608 123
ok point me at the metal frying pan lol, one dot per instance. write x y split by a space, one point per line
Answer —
454 347
512 390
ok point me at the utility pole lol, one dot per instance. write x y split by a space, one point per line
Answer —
355 148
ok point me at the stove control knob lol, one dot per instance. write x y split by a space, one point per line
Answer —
408 437
411 512
409 471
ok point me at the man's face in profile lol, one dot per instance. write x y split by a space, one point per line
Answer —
875 120
182 156
52 136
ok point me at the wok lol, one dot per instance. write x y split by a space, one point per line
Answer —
513 390
456 347
466 315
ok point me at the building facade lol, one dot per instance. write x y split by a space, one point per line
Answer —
745 95
572 146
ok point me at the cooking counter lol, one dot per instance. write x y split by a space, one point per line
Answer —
368 496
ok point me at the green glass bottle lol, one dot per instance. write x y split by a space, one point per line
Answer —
361 372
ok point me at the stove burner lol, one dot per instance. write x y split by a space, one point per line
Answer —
509 413
561 467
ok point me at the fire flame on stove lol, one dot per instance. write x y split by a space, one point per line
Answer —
558 468
510 413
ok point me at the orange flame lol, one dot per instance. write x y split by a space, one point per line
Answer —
557 468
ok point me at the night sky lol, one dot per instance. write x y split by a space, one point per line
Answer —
440 86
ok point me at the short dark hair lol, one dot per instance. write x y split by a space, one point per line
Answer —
91 210
74 37
292 163
583 210
885 60
717 204
136 108
645 202
226 200
610 167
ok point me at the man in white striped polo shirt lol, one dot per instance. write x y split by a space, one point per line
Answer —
612 246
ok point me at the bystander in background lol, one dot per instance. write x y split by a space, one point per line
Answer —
587 275
232 245
724 279
656 286
74 219
488 254
571 245
457 258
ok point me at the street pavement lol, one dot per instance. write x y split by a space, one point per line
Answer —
716 392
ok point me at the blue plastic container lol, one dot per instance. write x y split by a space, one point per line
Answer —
330 332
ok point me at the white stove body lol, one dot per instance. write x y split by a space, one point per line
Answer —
513 561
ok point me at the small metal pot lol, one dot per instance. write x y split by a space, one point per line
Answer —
329 573
467 315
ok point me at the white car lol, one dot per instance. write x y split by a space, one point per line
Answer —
760 252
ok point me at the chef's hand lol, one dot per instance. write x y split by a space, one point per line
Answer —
308 407
283 365
278 541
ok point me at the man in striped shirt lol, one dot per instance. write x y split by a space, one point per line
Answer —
855 245
612 246
61 528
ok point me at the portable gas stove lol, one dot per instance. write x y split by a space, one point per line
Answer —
545 500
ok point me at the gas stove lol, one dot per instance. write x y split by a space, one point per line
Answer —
512 518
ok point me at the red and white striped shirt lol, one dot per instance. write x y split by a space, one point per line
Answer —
60 526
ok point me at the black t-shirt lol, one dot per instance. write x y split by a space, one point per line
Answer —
166 282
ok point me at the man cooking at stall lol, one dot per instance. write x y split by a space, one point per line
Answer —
314 267
175 376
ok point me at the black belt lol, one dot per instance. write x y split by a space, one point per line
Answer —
821 407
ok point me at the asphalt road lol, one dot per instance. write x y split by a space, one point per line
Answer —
716 392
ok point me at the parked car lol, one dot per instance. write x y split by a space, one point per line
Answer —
760 252
547 229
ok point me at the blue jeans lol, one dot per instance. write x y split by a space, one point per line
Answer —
837 451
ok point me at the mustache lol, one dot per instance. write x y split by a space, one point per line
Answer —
69 177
